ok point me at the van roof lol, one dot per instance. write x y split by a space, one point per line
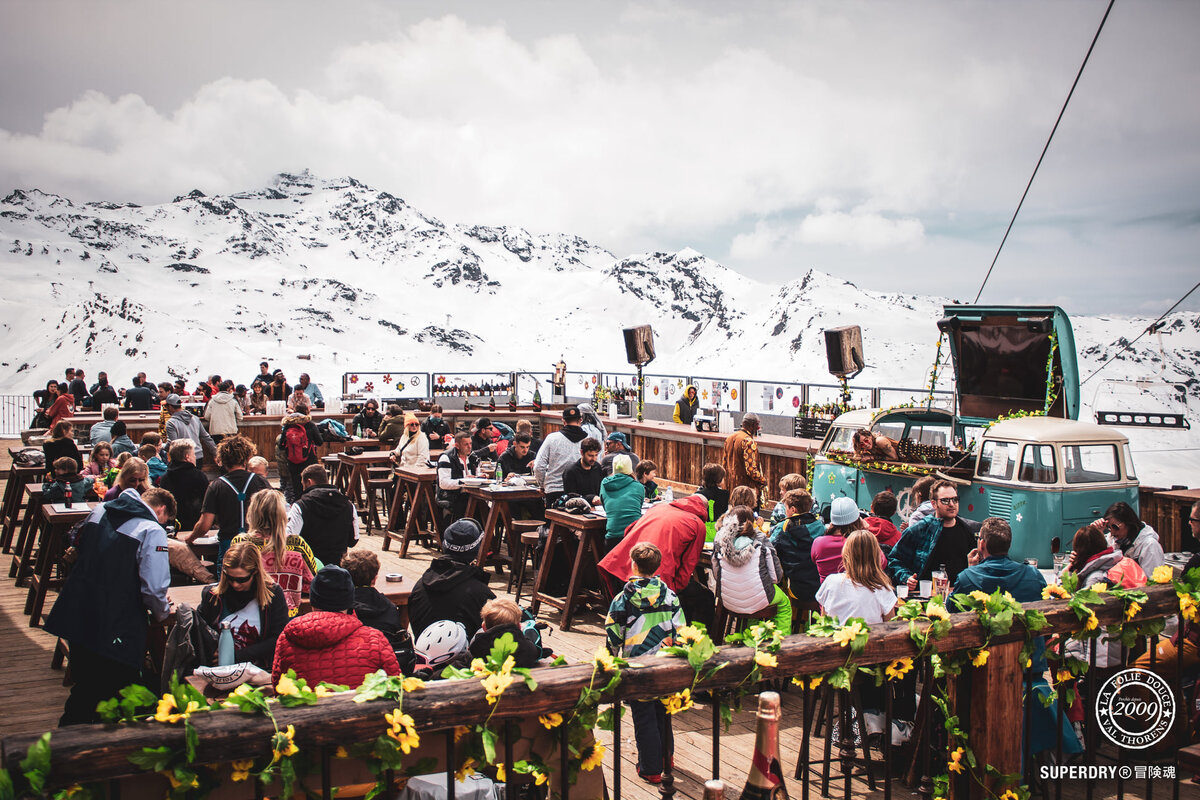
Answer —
1053 429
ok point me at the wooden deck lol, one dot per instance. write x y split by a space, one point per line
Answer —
32 696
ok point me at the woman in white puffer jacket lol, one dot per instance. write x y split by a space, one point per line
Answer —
746 570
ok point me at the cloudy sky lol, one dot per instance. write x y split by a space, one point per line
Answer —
884 142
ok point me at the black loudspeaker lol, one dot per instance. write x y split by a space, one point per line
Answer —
843 350
639 345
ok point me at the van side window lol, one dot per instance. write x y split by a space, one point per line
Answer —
996 460
1090 463
1037 464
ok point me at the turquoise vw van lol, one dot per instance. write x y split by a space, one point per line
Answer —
1046 475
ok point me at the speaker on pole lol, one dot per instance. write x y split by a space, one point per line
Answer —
843 350
639 345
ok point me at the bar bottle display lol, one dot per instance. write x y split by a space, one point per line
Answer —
765 781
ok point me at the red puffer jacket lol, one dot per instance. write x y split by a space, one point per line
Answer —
333 647
677 529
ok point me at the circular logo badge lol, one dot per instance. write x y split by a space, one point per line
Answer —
1135 709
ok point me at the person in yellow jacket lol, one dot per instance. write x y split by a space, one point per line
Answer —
686 406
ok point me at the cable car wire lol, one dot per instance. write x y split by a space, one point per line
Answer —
1151 328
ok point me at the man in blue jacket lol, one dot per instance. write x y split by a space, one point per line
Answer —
942 538
121 574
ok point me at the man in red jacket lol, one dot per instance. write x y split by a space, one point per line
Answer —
677 529
330 643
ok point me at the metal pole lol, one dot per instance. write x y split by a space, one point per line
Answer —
641 393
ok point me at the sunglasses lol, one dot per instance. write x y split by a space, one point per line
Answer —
949 501
246 579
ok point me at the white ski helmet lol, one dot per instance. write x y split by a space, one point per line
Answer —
441 642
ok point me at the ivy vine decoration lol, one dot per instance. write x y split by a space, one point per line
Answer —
495 673
847 459
400 737
765 639
853 635
996 613
933 372
693 643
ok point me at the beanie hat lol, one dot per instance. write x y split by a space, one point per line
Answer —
462 539
332 589
483 423
622 464
410 418
843 511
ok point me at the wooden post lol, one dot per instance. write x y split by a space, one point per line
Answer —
991 706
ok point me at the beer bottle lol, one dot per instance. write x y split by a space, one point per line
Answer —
765 781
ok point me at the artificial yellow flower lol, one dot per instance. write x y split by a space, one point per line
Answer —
1009 794
1187 607
1009 598
460 731
551 720
680 701
604 659
980 658
501 776
282 744
815 681
241 769
980 596
1100 588
163 712
323 691
955 763
403 730
465 771
765 659
341 752
540 777
847 634
508 665
898 668
1162 574
478 666
412 684
286 686
936 611
689 633
176 783
72 790
1092 623
1054 590
243 689
495 685
595 758
1134 609
1063 676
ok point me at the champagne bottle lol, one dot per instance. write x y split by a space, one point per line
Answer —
765 781
537 399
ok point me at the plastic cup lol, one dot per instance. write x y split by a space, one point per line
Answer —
902 591
926 588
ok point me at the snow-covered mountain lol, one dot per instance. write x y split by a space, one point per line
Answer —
361 281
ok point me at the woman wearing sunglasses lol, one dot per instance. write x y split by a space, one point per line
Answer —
250 601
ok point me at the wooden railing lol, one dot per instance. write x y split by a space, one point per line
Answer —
94 753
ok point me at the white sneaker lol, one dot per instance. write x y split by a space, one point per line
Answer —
901 731
874 721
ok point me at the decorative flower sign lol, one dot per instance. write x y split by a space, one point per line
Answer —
387 378
354 379
370 387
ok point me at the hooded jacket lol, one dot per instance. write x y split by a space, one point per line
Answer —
1108 651
622 496
1144 549
223 414
334 647
793 542
187 483
745 569
528 654
121 571
677 529
559 451
325 518
376 611
184 425
642 618
449 590
884 531
685 410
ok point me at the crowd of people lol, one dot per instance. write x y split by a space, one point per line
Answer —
276 545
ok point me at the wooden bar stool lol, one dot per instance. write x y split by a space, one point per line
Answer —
526 533
379 490
26 548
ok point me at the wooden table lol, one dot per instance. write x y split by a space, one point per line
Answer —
589 530
56 521
420 484
398 593
14 500
357 466
497 498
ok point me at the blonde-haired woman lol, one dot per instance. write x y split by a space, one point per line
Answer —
287 559
250 601
134 474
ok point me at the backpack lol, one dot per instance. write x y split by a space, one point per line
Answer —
299 448
1126 574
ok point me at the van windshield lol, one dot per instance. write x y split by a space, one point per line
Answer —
840 438
996 460
1090 463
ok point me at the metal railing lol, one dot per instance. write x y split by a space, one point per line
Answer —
16 412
